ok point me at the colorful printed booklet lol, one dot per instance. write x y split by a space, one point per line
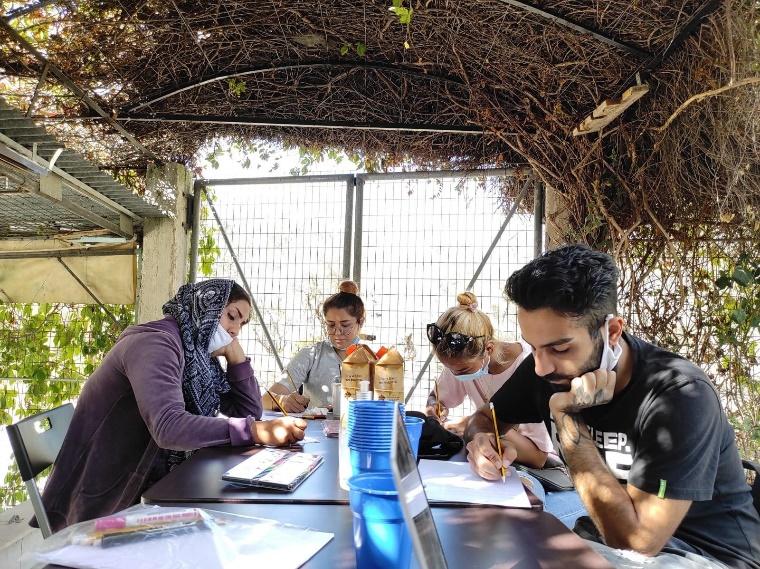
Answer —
276 469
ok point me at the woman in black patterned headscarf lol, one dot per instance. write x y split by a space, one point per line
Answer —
159 394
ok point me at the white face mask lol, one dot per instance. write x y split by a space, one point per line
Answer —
475 374
219 340
610 356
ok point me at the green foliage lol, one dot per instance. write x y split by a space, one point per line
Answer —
737 313
236 87
208 249
359 47
404 15
309 157
48 352
700 297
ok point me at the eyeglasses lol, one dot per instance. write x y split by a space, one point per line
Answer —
456 342
340 330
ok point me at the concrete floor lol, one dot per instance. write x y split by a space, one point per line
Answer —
16 536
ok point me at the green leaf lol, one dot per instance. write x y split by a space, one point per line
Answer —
723 282
236 87
344 49
742 276
361 49
738 315
404 15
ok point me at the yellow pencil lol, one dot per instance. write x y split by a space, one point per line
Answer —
498 443
277 403
437 400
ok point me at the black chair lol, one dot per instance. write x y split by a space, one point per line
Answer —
754 467
36 441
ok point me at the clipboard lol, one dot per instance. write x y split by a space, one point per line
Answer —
274 469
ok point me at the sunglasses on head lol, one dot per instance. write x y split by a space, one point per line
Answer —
455 341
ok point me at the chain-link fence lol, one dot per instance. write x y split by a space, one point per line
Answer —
413 241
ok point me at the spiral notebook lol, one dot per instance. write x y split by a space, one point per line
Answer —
275 469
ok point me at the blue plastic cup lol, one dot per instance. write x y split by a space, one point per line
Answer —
414 430
370 461
381 539
370 424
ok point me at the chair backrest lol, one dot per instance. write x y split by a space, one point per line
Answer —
754 467
36 442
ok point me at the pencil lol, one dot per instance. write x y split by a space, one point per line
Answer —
437 401
277 403
498 443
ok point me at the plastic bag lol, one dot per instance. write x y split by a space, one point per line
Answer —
155 537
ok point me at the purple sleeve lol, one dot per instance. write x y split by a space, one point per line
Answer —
153 364
244 397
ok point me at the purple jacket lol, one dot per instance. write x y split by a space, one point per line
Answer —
131 406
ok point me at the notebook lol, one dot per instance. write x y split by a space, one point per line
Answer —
275 469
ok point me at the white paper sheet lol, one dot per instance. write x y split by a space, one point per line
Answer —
311 412
447 481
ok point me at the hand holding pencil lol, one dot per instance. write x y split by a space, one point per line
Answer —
487 452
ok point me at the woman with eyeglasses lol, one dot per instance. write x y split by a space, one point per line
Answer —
314 369
476 365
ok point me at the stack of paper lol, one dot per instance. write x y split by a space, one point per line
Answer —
447 481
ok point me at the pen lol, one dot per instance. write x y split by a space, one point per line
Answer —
498 442
132 520
277 403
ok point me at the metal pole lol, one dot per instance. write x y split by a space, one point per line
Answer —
347 229
88 291
259 316
358 231
474 278
538 219
198 189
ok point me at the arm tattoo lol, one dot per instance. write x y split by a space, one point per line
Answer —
573 428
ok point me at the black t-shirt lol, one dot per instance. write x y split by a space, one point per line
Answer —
666 434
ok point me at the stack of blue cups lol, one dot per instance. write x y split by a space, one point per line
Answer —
370 430
380 535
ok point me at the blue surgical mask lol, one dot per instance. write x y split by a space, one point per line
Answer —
610 356
475 374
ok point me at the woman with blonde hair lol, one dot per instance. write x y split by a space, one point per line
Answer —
314 369
476 365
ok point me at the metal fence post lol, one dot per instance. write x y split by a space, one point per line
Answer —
359 206
347 231
195 236
538 219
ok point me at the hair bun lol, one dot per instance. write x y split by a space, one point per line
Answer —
348 286
467 298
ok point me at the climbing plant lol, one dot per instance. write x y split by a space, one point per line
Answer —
47 352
